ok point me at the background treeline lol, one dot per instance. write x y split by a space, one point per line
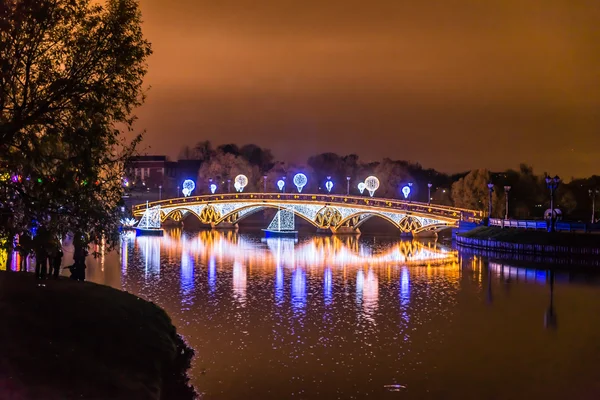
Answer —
528 194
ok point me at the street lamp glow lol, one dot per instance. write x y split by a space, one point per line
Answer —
213 188
280 184
300 181
372 184
406 191
188 187
361 187
240 182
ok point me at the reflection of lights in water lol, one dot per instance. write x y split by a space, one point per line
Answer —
124 255
360 280
212 274
187 276
404 286
298 289
239 282
370 295
279 294
327 290
150 248
318 251
525 274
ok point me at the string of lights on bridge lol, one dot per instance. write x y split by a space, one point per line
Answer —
371 184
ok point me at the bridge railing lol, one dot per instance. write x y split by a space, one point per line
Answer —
452 213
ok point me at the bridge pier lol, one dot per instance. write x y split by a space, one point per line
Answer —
426 234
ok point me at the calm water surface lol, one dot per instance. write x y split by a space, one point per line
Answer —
347 318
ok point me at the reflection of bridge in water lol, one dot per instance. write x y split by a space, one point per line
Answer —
332 251
338 214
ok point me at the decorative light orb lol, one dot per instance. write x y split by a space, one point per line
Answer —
406 191
371 184
300 181
213 188
188 187
280 184
329 185
241 181
361 187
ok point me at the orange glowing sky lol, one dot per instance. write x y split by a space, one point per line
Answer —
451 84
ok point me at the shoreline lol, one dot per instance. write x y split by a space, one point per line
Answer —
509 240
63 339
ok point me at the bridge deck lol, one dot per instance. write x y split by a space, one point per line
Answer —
410 207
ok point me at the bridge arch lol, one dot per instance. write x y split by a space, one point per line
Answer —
251 209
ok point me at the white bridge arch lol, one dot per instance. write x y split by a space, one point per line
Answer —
339 214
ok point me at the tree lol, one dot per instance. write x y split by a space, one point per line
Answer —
392 176
472 192
257 156
71 75
223 167
204 150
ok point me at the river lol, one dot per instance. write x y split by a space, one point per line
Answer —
357 318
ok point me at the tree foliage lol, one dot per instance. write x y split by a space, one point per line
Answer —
71 75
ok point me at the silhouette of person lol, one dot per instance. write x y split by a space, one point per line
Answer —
41 256
56 261
24 249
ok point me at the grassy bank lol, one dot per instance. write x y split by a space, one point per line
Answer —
521 236
69 340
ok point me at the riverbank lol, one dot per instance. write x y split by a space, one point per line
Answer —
61 339
529 241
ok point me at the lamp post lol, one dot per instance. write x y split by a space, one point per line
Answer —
228 185
429 185
593 195
348 186
491 190
177 191
264 184
410 193
552 184
506 190
159 192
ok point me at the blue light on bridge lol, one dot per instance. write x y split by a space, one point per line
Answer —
329 184
300 181
406 191
213 188
281 184
188 187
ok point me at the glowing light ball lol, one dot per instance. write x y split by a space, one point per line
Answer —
213 188
240 182
361 187
280 184
329 185
188 187
406 191
371 184
300 181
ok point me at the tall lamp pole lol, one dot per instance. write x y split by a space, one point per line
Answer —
593 194
264 183
410 193
429 185
491 190
506 190
159 192
552 184
348 186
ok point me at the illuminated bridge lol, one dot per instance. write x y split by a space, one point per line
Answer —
334 213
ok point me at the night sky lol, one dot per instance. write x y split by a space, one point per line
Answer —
454 85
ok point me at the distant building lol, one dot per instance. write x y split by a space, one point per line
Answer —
149 171
153 171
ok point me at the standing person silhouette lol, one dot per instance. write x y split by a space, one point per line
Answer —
56 261
40 244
